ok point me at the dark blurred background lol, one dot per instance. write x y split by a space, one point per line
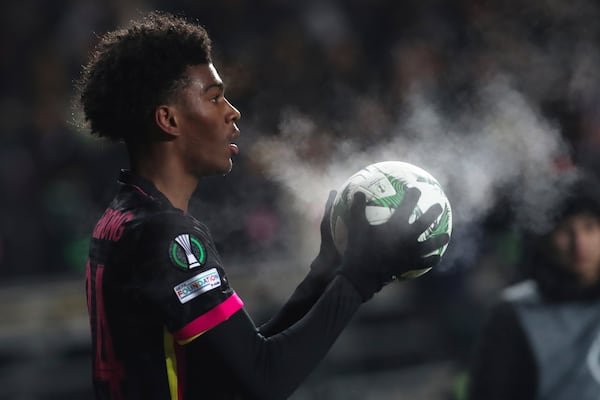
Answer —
468 89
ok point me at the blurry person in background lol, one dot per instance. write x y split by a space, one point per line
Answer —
165 322
542 341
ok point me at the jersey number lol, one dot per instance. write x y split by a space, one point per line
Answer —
106 366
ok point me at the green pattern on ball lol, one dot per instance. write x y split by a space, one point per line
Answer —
440 226
394 200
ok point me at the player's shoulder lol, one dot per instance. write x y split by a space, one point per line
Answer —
164 222
167 224
147 211
171 237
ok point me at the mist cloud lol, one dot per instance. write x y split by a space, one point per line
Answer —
500 142
496 145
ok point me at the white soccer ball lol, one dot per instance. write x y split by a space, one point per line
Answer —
384 184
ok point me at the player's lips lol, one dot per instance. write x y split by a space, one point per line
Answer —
232 146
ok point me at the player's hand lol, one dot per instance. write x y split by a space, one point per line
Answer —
324 266
376 254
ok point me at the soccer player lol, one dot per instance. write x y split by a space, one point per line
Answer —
165 322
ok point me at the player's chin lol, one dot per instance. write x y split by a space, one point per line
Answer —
227 167
221 168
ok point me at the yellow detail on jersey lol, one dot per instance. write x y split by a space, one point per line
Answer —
171 363
186 341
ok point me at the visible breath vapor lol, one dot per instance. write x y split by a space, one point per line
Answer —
500 142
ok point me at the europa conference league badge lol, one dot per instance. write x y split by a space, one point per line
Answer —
187 252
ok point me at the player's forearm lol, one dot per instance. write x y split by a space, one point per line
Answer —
302 300
322 271
273 367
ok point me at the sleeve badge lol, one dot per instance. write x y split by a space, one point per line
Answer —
186 252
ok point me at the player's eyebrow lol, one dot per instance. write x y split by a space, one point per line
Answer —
218 85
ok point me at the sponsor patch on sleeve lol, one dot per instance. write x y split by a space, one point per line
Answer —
197 285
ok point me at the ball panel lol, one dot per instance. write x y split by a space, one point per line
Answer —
377 215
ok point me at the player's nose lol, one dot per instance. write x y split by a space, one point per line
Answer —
234 114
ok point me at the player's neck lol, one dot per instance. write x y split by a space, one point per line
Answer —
170 179
177 188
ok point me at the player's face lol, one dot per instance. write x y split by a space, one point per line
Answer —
576 242
207 123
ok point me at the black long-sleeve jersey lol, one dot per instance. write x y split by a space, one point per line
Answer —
166 324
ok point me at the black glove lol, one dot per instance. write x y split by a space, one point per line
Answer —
377 254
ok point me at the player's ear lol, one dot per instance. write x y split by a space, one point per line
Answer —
165 118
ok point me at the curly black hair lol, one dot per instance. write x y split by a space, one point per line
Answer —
134 69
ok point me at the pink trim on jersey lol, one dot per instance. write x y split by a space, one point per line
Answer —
209 320
139 189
